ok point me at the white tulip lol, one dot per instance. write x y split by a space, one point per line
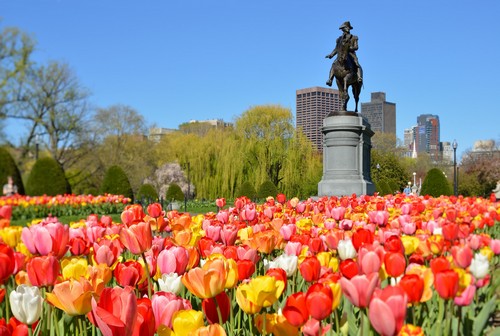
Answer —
346 249
479 266
171 283
26 304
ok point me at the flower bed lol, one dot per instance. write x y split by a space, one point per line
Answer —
364 265
28 207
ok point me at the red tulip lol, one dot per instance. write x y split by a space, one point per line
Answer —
395 264
210 305
6 262
450 231
310 269
246 269
220 202
278 274
319 301
362 236
116 312
43 271
413 285
129 273
281 198
132 214
79 246
359 289
394 244
446 283
387 310
155 210
348 268
439 264
137 238
295 309
145 325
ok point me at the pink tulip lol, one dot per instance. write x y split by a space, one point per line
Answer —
165 304
46 238
293 248
301 207
369 261
247 253
287 230
223 217
378 217
338 213
228 234
462 255
212 232
220 202
313 328
248 213
107 251
360 288
466 297
173 260
387 310
495 245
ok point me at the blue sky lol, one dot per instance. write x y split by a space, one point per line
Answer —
174 61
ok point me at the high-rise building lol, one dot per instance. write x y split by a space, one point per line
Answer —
427 136
380 113
312 106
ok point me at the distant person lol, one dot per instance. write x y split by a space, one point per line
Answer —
407 190
10 188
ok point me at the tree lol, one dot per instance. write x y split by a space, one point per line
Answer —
121 141
483 163
436 184
265 133
47 178
387 166
16 48
54 106
116 182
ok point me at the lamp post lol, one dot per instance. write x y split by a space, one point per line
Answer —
414 178
455 180
36 146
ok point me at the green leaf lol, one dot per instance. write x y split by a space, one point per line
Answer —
483 316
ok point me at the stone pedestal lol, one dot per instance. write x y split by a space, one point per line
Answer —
346 155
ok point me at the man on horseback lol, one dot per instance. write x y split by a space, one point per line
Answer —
352 42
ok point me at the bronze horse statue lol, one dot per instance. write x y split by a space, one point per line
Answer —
345 72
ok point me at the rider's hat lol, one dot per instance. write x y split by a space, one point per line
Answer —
346 24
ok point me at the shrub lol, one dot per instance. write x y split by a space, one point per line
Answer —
393 185
47 178
147 192
116 182
436 184
267 188
246 189
385 189
8 167
174 192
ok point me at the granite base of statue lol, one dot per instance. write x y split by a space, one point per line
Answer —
346 155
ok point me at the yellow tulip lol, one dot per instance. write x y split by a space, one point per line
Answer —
259 293
410 244
11 235
486 251
74 268
186 321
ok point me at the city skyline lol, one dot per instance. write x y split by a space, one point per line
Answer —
196 60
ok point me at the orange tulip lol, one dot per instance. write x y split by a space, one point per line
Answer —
208 281
137 238
72 296
211 330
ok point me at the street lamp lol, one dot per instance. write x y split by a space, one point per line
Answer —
414 178
36 146
455 181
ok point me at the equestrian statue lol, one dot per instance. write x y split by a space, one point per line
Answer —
346 69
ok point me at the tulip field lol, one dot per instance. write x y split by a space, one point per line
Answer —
353 265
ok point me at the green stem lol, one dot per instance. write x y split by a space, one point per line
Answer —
449 316
219 313
337 321
231 312
7 305
147 272
30 330
250 326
